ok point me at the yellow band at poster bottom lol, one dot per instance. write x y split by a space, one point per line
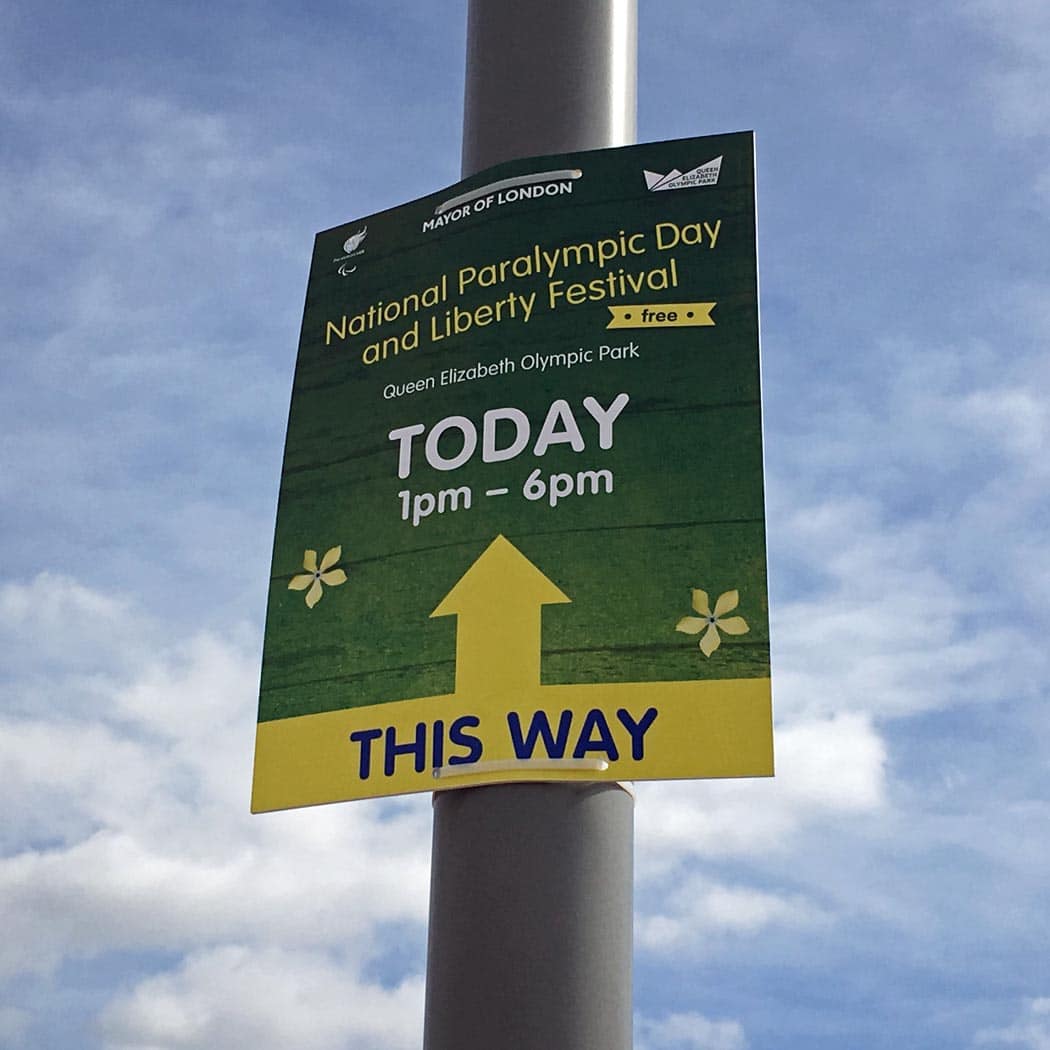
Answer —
638 731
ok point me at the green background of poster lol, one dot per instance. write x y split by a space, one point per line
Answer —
687 505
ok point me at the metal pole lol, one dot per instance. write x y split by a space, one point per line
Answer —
531 895
548 76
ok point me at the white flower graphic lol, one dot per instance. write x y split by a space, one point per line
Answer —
713 621
316 575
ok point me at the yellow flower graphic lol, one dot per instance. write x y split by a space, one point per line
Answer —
316 575
713 621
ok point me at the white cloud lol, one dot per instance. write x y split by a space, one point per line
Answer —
1016 417
826 768
230 997
131 827
698 908
689 1031
52 622
1031 1029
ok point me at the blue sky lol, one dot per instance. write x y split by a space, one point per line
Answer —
164 168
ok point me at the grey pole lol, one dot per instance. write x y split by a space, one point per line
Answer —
531 893
548 76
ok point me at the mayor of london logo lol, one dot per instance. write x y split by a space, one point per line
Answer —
702 175
352 248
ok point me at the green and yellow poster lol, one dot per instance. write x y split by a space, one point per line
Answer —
520 533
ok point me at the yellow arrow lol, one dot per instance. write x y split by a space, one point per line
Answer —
498 602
